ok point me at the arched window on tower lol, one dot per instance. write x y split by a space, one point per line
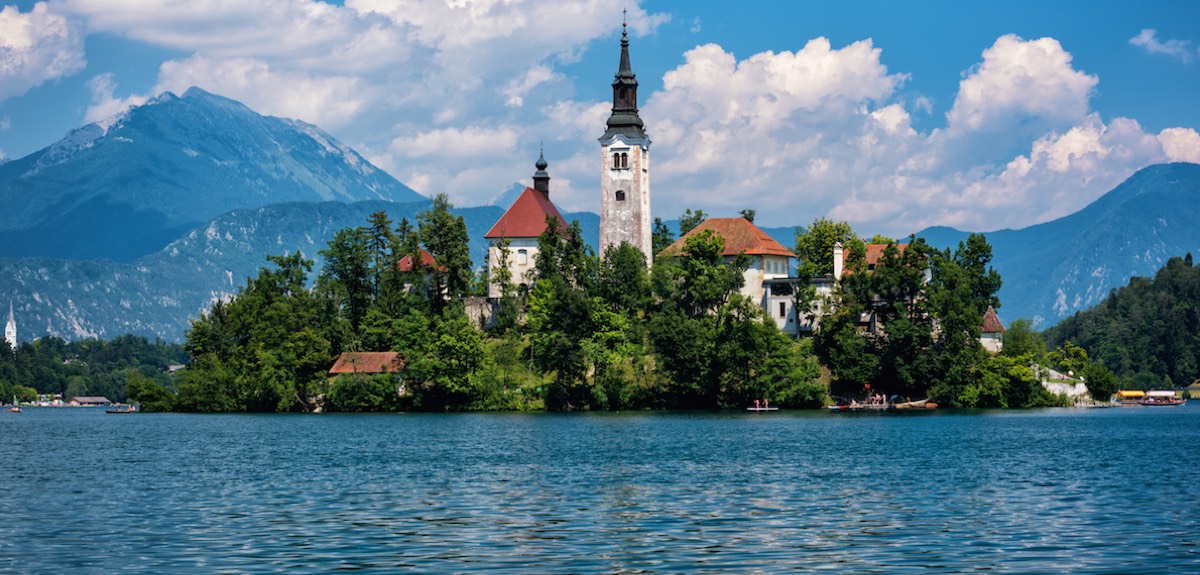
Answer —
624 160
616 161
620 195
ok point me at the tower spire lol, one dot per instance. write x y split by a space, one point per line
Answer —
541 179
624 119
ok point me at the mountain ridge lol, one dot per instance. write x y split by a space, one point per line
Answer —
169 165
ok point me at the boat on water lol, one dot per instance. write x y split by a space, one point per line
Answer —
1162 398
125 409
14 409
1129 398
762 409
895 403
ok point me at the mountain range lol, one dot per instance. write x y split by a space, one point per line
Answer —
124 187
1057 268
138 223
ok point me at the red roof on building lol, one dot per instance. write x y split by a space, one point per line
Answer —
526 218
991 322
874 254
367 362
427 261
740 236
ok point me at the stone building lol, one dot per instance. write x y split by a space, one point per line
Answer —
625 166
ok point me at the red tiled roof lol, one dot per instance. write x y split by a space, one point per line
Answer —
740 236
874 254
427 261
526 218
367 362
991 322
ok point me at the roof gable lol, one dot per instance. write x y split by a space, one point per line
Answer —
526 217
740 235
991 322
367 362
427 262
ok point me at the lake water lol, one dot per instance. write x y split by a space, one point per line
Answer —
1046 491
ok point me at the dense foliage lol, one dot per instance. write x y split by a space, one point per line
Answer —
1147 333
908 325
117 369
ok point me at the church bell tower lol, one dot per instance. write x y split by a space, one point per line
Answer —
625 166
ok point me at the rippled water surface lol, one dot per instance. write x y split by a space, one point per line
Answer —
1051 491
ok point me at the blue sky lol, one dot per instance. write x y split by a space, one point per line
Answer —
893 116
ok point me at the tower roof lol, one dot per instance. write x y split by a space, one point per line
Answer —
991 322
624 119
741 236
526 218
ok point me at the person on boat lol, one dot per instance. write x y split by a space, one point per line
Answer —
766 404
756 404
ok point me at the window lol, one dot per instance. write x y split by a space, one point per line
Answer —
782 308
620 160
522 257
620 195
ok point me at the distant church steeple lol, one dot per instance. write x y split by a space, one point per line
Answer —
625 165
10 328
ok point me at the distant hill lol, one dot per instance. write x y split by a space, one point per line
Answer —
1145 332
157 295
1055 269
125 187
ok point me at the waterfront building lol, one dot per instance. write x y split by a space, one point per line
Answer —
991 335
766 280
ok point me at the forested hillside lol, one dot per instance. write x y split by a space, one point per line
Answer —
1147 332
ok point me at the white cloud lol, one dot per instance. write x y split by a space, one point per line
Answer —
104 104
330 101
1180 144
1148 40
517 89
1018 81
36 47
455 96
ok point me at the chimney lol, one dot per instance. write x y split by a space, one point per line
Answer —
837 260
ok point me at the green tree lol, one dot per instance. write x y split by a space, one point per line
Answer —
661 236
1100 381
347 275
445 238
1020 339
690 220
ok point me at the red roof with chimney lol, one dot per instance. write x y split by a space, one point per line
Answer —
526 218
367 362
874 254
427 261
991 322
740 234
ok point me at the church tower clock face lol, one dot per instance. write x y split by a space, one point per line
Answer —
625 166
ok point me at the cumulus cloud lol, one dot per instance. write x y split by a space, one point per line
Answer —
1148 40
823 132
1180 144
326 100
104 104
36 47
455 97
1018 81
